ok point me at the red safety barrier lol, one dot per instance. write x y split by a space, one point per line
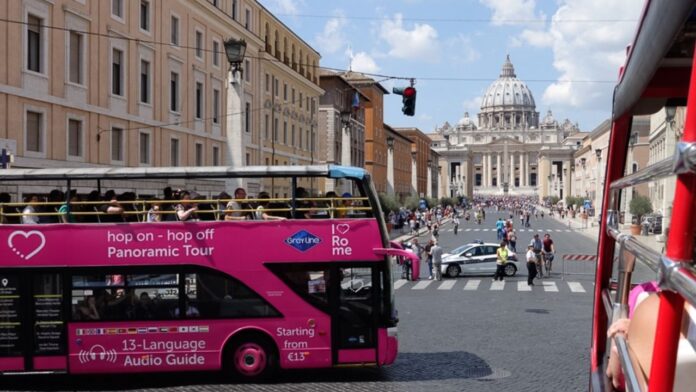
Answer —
579 264
580 257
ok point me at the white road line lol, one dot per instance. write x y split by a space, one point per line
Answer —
477 229
399 283
467 230
485 229
472 285
550 287
498 285
576 287
558 230
568 230
422 285
523 286
539 231
447 285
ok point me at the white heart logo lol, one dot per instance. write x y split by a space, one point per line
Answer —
26 235
342 228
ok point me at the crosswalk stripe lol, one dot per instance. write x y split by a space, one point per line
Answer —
576 287
472 285
477 229
550 287
467 230
399 283
558 230
447 285
523 286
498 285
567 230
422 285
539 231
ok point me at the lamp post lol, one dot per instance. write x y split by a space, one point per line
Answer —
673 135
632 141
583 161
235 50
414 172
390 165
429 183
598 188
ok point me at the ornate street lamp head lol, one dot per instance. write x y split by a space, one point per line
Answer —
598 152
583 161
235 50
390 142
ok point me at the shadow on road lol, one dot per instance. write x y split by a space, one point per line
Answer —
408 367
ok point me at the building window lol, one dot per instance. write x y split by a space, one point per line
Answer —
292 135
75 58
301 100
299 144
275 130
117 144
144 81
285 92
268 83
199 154
199 44
174 152
145 15
285 132
117 8
307 140
266 124
275 85
144 148
34 43
216 106
34 132
199 100
216 53
175 31
216 156
293 95
247 19
247 117
248 159
117 72
234 9
268 162
247 67
74 138
174 92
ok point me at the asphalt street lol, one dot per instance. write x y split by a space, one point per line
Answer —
462 334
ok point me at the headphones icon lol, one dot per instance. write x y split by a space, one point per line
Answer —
93 354
97 352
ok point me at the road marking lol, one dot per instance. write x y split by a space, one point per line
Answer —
523 286
550 287
399 283
422 285
568 231
576 287
467 230
472 285
477 229
558 230
447 285
539 231
497 285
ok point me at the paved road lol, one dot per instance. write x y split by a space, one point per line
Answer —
452 338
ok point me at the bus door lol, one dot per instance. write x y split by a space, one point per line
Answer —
32 322
355 304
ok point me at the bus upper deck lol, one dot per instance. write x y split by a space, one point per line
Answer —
659 74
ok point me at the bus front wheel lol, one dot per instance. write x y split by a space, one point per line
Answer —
252 357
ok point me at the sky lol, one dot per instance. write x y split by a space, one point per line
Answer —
567 51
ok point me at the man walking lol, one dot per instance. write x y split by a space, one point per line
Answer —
501 260
549 250
536 248
531 265
499 228
436 254
455 220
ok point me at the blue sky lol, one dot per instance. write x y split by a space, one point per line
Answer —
568 51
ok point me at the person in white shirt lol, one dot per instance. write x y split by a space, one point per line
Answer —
27 213
531 265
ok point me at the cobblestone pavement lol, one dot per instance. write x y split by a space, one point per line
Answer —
450 340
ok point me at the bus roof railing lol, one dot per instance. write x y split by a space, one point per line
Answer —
684 161
653 48
221 172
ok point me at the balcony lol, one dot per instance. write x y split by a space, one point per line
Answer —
268 48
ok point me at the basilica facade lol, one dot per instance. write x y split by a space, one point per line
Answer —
512 150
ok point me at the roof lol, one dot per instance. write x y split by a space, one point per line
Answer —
390 129
358 79
661 52
331 171
343 80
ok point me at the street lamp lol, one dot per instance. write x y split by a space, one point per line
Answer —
390 142
235 50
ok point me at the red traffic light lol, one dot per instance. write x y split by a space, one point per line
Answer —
409 92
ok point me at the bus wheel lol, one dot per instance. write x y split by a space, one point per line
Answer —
252 358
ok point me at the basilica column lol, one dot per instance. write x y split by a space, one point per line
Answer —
524 172
512 169
483 169
489 168
498 170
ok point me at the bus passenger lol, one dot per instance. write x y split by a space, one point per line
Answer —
28 217
87 310
234 207
304 206
154 213
260 214
65 211
112 210
186 211
143 309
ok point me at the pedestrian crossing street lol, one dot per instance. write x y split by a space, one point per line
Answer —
451 229
548 286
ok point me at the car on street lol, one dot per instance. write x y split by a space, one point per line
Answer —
476 258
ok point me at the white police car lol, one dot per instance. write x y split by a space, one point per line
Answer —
476 258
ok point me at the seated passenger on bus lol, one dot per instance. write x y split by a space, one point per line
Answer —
260 213
144 307
111 211
639 330
233 209
191 309
28 217
87 309
154 214
66 211
4 198
186 210
304 207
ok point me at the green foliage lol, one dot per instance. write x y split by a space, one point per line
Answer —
577 201
554 200
448 201
640 205
411 202
388 203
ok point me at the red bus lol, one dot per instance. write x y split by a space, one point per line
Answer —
310 288
651 341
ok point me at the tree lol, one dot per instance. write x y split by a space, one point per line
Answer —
640 205
388 203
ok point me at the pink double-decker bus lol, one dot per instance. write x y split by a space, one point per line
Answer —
246 285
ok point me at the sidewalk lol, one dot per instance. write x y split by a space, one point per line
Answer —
592 231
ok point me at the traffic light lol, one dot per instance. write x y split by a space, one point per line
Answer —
409 99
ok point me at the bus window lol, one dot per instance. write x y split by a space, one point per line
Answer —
210 295
356 308
49 326
307 281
